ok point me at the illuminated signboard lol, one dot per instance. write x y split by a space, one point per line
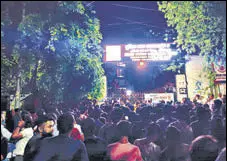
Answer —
146 52
149 52
113 53
157 97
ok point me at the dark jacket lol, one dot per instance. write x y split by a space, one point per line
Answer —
96 148
32 147
61 148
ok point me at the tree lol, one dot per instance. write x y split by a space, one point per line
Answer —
58 45
200 27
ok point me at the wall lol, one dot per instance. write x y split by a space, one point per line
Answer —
196 78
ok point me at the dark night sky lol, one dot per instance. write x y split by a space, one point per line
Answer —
120 22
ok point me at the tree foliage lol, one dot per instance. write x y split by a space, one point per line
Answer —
200 28
57 47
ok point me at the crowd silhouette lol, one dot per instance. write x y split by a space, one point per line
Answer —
117 131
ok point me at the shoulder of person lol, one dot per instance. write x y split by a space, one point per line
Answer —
134 146
27 132
111 145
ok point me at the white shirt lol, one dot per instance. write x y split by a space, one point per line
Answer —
5 132
21 144
55 132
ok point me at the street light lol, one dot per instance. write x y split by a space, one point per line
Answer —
141 64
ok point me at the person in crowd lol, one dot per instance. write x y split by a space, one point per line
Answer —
123 150
202 125
204 148
137 131
108 131
62 147
175 149
182 114
220 97
77 133
210 102
222 155
149 150
16 115
23 132
166 119
54 117
96 146
96 116
9 122
4 131
45 129
197 99
218 132
4 147
217 109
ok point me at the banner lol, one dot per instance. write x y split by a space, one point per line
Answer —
181 87
157 97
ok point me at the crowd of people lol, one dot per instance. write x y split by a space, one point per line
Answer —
117 131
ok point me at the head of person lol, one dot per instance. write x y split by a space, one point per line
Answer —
65 123
124 128
154 131
137 131
166 111
53 117
211 96
88 126
27 118
172 136
197 97
45 125
182 113
204 148
116 115
220 95
217 104
203 114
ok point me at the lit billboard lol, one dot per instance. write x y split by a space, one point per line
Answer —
146 52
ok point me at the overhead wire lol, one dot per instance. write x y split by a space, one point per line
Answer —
136 22
133 7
